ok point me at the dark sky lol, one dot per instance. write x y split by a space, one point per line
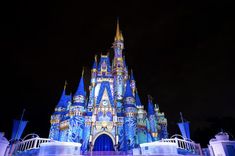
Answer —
180 52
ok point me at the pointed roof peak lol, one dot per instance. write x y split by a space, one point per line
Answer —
128 92
150 98
82 72
65 84
118 36
150 105
95 58
95 63
63 98
137 99
81 89
132 76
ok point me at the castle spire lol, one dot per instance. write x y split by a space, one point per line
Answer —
150 106
82 72
63 98
118 36
94 72
128 92
137 99
132 76
65 84
118 44
95 63
81 90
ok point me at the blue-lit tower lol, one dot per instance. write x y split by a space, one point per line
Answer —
76 113
152 119
141 121
130 117
58 115
92 86
118 71
161 122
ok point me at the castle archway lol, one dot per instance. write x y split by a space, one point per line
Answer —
103 142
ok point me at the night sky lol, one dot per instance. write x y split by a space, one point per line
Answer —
180 52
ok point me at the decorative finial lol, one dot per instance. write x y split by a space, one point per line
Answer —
156 107
150 97
117 30
95 58
181 116
65 84
82 71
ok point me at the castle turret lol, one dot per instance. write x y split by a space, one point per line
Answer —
91 101
140 108
63 102
60 109
80 95
152 119
94 72
150 106
118 70
141 120
138 102
161 122
130 121
64 126
76 113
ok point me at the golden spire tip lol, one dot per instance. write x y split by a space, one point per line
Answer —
95 58
82 71
65 84
118 36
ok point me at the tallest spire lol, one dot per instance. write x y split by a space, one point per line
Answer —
118 36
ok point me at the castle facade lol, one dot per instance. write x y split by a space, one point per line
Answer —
111 116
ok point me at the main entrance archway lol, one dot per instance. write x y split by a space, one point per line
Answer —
103 143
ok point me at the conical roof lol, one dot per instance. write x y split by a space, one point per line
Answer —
137 99
150 106
128 92
80 89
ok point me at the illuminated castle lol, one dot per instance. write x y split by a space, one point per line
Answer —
111 116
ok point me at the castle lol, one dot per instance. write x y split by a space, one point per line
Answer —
111 116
